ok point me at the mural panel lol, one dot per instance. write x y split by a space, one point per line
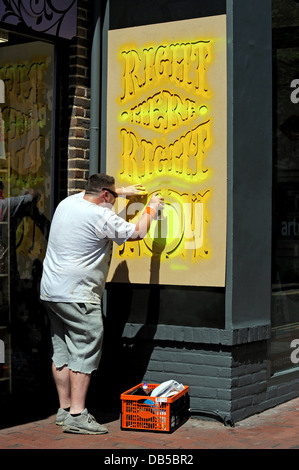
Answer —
166 129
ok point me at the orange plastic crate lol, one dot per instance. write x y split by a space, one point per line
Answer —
162 415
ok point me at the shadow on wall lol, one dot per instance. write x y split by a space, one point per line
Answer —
124 365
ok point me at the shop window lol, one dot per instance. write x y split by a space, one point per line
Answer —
285 263
26 71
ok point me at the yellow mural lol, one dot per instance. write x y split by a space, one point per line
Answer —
166 129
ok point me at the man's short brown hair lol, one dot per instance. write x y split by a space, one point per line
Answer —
97 182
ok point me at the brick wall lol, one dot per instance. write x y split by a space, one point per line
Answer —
226 383
79 100
249 378
206 369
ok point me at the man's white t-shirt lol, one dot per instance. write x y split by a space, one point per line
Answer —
79 250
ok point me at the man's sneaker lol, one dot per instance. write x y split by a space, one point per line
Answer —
85 423
60 416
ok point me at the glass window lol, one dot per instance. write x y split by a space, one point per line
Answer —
26 69
285 265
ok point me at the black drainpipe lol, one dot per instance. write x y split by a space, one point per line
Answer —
95 90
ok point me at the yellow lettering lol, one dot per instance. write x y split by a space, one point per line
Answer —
181 231
184 157
131 75
185 64
129 158
162 62
162 112
162 68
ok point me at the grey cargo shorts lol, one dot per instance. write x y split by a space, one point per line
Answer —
77 335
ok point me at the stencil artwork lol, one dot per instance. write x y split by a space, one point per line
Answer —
166 129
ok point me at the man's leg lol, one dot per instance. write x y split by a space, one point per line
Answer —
79 387
63 385
79 420
71 387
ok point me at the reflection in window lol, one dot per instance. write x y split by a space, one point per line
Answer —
26 153
285 262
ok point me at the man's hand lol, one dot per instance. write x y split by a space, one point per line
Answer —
157 202
33 192
133 190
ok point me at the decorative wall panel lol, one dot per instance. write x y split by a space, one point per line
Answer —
166 129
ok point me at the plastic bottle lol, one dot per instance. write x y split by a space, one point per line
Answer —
146 389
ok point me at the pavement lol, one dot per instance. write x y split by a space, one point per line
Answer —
274 429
